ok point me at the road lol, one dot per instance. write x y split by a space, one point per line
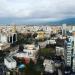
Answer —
59 72
14 48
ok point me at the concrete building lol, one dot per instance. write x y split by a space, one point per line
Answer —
49 66
10 63
8 37
8 34
73 65
29 52
68 52
59 51
52 41
64 29
4 46
40 35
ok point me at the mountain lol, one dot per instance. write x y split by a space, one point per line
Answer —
36 21
68 21
22 21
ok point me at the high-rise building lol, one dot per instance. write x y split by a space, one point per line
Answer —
68 52
73 64
64 29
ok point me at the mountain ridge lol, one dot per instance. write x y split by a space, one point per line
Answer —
35 21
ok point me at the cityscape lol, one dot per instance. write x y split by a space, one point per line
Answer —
40 50
37 37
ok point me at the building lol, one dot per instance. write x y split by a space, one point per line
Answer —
73 65
8 34
4 46
51 41
14 29
64 29
59 51
68 52
55 29
10 63
30 51
40 35
8 37
49 66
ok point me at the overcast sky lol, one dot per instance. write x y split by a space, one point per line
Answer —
54 9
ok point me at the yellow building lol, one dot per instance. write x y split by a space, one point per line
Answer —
40 34
55 30
14 29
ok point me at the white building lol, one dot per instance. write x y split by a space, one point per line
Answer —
64 29
49 66
68 51
4 46
73 65
8 37
30 52
59 51
52 41
10 63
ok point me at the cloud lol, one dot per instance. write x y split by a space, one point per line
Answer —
37 8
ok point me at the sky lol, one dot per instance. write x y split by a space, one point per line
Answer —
52 9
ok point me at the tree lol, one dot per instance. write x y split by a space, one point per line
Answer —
34 35
21 47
